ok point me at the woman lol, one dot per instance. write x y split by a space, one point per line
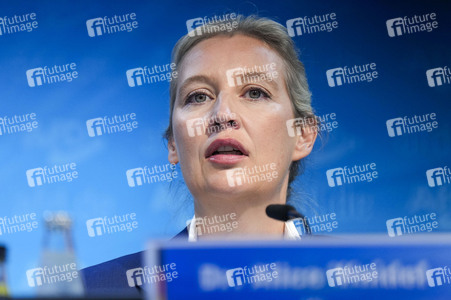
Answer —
248 114
232 111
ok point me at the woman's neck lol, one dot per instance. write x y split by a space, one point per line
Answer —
238 216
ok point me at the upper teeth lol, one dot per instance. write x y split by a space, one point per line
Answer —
225 148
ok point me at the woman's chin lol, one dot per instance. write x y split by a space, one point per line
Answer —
223 188
231 182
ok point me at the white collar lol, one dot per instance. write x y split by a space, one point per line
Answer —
290 232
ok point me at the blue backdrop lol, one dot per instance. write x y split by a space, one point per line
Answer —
57 34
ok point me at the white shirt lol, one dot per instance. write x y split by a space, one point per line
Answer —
290 232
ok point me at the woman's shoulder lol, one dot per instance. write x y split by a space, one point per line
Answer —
111 276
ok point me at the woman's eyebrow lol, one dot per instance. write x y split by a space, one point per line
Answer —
257 78
195 79
209 81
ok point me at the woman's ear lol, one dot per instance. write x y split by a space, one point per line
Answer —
172 152
305 142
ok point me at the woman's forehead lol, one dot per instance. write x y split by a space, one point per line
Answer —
221 53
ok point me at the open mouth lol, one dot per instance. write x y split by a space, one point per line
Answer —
226 147
228 150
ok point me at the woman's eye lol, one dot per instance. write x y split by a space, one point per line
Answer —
200 98
255 93
197 98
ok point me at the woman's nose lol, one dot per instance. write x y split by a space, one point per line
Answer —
223 114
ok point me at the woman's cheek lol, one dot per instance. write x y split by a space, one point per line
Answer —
277 143
189 147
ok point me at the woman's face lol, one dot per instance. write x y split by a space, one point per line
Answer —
224 120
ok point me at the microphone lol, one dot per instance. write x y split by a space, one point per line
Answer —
282 212
286 212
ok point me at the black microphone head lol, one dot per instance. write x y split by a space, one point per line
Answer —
2 253
280 212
